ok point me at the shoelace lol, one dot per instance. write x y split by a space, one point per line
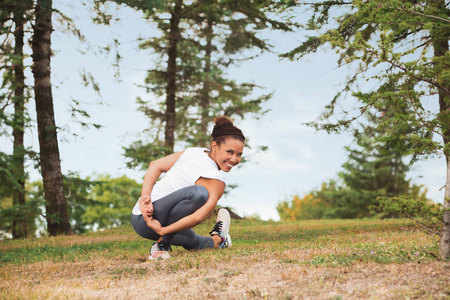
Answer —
164 247
217 228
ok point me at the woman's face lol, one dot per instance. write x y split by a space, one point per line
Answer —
228 154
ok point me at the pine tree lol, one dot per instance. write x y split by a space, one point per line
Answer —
225 30
198 41
13 18
19 227
373 169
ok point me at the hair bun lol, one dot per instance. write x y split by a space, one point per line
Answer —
223 126
222 120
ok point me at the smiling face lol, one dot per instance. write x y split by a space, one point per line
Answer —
228 154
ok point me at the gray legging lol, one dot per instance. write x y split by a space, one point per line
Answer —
172 208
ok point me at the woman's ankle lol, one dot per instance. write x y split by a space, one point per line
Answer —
217 240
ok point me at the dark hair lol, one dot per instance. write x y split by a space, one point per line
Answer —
224 128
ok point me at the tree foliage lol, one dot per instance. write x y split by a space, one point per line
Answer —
337 201
100 202
312 206
427 215
79 195
114 197
93 204
26 214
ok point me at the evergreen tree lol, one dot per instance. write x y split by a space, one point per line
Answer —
373 170
19 227
405 47
226 29
189 86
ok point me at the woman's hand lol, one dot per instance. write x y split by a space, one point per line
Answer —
146 205
154 224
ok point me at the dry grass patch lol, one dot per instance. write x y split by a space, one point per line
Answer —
247 277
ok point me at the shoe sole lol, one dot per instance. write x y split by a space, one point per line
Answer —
228 243
224 216
160 255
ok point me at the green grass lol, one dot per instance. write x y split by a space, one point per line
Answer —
76 252
335 242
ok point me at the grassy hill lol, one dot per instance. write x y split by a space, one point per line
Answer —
327 259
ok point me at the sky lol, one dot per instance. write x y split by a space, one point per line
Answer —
298 158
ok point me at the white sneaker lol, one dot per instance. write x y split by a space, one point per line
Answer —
222 227
159 251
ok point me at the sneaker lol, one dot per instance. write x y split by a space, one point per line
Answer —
159 251
222 227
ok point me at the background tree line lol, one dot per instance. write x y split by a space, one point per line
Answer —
407 62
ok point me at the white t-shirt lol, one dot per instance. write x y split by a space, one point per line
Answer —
190 166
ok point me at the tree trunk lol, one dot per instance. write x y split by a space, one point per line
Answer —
56 204
440 40
19 226
171 89
205 97
444 245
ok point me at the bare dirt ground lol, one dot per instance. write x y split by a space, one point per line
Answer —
250 276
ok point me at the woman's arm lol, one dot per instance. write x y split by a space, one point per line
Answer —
215 189
155 169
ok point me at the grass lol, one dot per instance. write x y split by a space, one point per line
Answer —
327 259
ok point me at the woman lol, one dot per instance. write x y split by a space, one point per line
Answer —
186 195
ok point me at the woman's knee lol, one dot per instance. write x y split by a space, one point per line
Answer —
201 194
